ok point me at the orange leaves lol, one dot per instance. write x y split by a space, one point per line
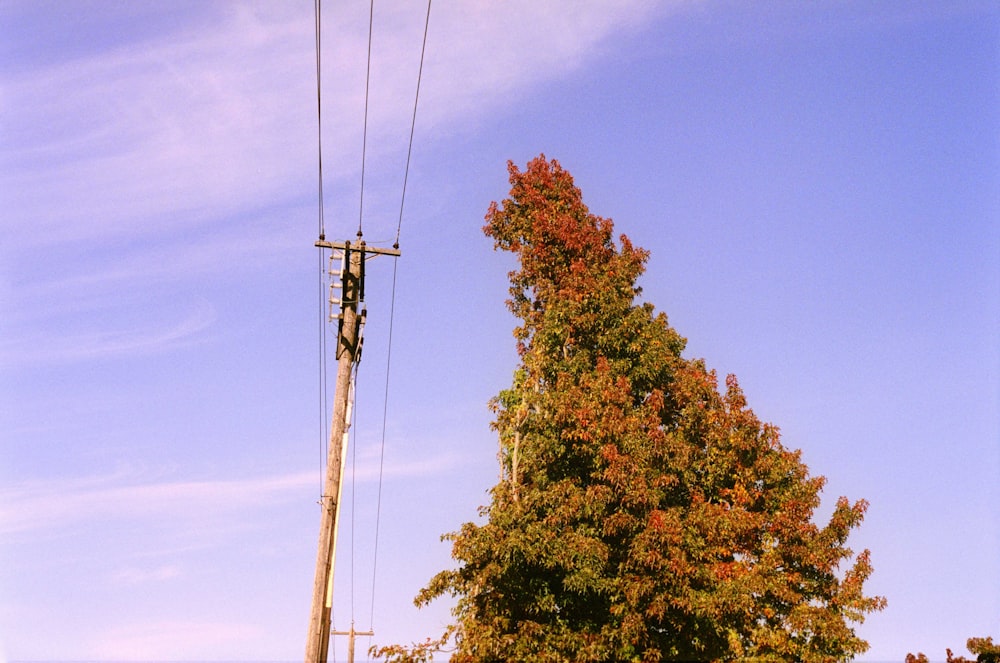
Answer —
726 570
656 520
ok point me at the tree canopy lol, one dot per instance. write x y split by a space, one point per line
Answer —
644 512
983 648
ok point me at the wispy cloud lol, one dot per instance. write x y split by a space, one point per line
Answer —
140 576
86 284
196 124
486 53
56 345
369 469
168 640
46 504
160 135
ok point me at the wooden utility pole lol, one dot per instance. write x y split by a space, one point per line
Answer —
348 347
350 640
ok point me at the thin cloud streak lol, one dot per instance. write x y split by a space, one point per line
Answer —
94 283
47 504
41 348
172 639
495 52
137 576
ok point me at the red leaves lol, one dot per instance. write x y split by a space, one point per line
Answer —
566 254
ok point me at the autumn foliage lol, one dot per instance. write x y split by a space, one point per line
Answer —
983 648
645 513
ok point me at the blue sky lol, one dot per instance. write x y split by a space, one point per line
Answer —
817 183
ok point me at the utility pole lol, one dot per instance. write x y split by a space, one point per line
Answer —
348 354
350 640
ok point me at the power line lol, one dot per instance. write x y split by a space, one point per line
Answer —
322 373
392 312
317 11
354 481
364 133
413 123
381 460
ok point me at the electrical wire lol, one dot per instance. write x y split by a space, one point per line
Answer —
317 11
392 312
323 422
364 132
354 481
381 460
413 123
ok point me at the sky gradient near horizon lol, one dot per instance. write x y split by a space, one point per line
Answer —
818 184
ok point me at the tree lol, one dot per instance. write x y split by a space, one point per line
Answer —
643 514
983 648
